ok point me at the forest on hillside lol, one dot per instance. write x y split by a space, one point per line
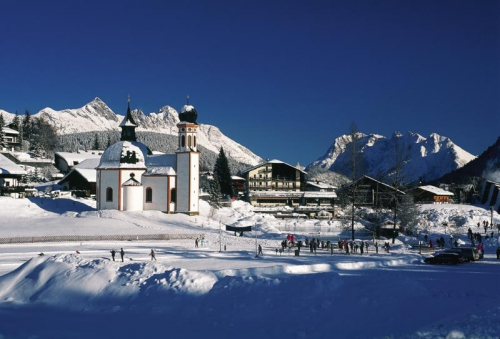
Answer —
155 141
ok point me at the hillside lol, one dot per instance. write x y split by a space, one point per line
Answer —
486 165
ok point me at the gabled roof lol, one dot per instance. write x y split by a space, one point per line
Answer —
320 185
9 167
274 161
72 157
434 190
377 181
8 130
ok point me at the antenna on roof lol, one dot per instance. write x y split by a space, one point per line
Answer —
187 99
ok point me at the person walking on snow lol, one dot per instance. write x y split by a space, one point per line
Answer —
113 254
122 253
260 251
152 254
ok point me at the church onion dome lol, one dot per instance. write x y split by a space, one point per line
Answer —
125 154
188 114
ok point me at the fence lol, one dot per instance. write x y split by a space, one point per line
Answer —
80 238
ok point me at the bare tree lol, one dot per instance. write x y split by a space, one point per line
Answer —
355 168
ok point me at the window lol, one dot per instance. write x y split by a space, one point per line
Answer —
173 195
109 194
149 194
194 141
183 141
189 141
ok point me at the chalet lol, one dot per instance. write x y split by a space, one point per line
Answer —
274 182
81 178
430 194
10 174
65 161
11 137
371 192
238 184
319 186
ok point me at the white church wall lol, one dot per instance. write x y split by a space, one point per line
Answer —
159 186
188 183
132 198
108 179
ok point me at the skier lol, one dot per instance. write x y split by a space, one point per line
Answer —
113 254
152 254
122 253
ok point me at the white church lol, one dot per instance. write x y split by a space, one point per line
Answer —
131 178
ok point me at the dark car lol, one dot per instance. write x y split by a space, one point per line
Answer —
445 258
469 253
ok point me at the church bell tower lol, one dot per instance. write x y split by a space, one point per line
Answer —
188 161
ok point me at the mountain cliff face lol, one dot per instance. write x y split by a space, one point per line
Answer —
420 158
97 116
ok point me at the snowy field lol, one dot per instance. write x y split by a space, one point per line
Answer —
75 290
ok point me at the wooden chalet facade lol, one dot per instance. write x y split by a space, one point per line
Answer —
430 195
370 192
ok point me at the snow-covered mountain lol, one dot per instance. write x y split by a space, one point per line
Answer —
422 158
97 116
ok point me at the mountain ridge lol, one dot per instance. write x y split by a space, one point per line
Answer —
422 159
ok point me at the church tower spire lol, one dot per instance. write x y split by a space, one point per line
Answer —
128 125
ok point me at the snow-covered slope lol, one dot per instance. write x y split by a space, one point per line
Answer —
97 116
423 158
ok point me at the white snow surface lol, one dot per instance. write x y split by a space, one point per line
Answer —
221 290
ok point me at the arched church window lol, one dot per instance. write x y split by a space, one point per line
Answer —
149 194
173 195
109 194
189 141
183 141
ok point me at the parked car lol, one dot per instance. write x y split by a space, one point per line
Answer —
445 258
469 253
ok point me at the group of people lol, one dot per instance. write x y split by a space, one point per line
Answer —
152 254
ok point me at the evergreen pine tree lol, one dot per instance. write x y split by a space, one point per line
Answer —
16 124
27 126
96 143
222 174
109 141
3 143
215 192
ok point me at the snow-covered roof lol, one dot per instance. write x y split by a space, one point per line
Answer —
89 174
313 194
72 157
131 182
321 185
9 167
9 130
124 154
235 177
435 190
161 170
89 163
274 161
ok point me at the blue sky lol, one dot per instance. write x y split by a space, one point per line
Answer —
283 78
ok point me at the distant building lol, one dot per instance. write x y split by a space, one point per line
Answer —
430 194
274 182
370 192
11 137
65 161
81 178
10 174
